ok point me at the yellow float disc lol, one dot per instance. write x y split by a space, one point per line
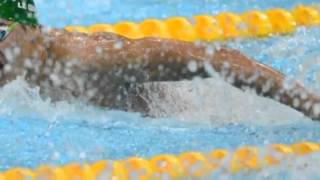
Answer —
100 28
231 25
207 28
180 28
305 148
50 173
257 24
128 29
282 21
154 28
194 164
80 29
216 157
137 168
166 165
276 153
244 158
306 16
19 174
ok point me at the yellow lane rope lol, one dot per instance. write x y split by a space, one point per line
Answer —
191 164
222 26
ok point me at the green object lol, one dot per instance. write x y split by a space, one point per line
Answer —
21 11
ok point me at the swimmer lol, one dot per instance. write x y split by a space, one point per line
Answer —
102 67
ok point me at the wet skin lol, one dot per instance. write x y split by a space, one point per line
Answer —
101 67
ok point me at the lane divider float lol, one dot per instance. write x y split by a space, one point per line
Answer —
222 26
168 166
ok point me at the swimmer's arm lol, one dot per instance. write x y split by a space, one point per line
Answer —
171 60
233 66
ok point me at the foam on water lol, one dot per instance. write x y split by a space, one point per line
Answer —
18 99
215 101
202 101
36 131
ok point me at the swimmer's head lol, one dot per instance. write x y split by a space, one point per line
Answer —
24 44
6 28
12 13
19 11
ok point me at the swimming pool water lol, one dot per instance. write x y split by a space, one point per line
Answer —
60 13
35 131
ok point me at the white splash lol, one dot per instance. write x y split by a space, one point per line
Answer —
18 99
210 100
213 100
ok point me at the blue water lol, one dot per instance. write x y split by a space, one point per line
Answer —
30 142
35 131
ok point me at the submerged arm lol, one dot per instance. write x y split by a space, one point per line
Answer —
170 60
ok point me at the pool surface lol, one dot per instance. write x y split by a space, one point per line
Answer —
36 131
